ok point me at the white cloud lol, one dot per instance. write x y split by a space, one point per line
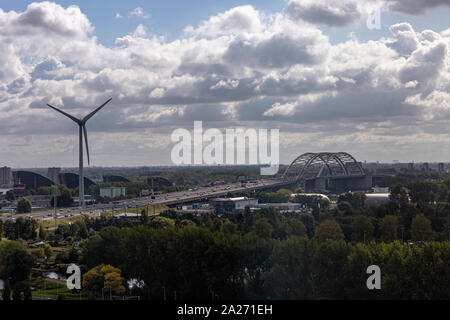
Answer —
243 19
237 68
139 12
286 109
45 17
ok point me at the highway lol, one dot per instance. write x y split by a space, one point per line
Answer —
199 194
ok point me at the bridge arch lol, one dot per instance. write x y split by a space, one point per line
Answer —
311 165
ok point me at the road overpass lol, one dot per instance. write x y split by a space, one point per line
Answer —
339 167
199 194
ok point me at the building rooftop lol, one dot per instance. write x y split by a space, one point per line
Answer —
232 199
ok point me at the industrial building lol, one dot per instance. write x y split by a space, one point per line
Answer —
223 205
112 192
31 180
283 207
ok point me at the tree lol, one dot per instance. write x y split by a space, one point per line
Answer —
17 293
27 294
18 264
104 277
362 229
329 229
282 195
388 228
64 198
296 228
262 228
73 256
399 195
144 216
356 199
10 195
47 251
9 230
161 223
422 192
42 233
114 283
6 247
16 270
229 227
6 295
421 228
23 206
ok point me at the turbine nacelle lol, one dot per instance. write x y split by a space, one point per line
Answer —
82 122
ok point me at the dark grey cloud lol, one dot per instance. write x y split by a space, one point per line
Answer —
414 6
17 85
330 13
276 52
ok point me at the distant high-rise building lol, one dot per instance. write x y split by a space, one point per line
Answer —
441 167
6 177
54 175
411 166
426 167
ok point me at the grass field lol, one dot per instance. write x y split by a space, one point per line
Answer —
49 289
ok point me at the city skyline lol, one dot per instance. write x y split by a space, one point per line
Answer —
328 84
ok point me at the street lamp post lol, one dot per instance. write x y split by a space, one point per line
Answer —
164 293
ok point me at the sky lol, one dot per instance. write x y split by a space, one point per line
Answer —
314 69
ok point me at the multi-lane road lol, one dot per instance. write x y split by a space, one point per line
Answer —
170 199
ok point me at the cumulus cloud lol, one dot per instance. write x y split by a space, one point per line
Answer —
406 40
243 19
325 12
346 12
237 68
414 6
45 17
139 12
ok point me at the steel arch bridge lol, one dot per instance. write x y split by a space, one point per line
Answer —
323 164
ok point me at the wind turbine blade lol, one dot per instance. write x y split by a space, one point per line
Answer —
95 111
87 146
65 113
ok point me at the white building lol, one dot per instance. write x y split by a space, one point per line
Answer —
380 189
283 207
222 205
112 192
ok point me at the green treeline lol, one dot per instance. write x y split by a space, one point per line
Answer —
196 261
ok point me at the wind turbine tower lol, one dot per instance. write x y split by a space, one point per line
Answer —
82 130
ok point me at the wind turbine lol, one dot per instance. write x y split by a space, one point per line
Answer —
82 130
